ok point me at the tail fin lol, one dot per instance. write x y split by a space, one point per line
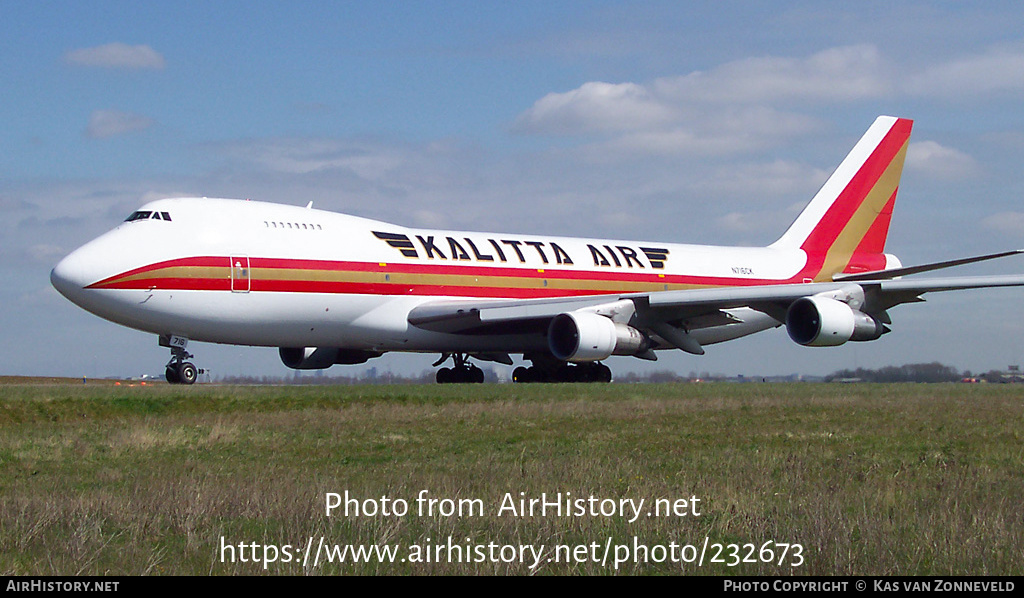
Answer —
844 227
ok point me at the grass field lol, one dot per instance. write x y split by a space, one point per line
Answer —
870 480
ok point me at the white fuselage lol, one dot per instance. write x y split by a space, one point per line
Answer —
253 273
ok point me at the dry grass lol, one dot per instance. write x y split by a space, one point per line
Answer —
872 480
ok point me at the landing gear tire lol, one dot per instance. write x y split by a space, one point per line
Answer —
178 370
460 375
187 373
522 375
563 372
592 372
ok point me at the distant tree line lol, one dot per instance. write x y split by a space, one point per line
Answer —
656 377
426 377
912 372
920 372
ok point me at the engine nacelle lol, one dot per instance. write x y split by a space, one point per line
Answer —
319 358
824 322
585 336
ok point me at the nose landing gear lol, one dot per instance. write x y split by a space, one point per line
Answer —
178 370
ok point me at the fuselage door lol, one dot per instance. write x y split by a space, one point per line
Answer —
240 274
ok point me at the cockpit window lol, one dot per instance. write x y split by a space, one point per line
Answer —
146 215
138 216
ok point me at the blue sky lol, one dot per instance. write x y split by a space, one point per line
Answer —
686 122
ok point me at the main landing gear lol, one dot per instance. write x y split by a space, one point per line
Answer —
545 368
178 369
463 372
562 372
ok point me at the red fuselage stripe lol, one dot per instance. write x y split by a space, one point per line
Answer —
213 273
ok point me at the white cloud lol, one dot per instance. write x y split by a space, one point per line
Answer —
110 123
305 156
45 253
1010 223
727 109
936 160
998 70
118 56
595 107
729 131
149 196
779 178
430 219
837 74
754 103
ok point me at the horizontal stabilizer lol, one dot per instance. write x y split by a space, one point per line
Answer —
897 272
931 285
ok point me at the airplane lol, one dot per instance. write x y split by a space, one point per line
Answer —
328 288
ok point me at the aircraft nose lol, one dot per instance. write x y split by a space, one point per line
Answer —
71 275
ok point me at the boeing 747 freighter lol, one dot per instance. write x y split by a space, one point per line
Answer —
328 288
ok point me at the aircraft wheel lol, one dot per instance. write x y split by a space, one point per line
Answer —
584 373
567 373
522 375
172 376
476 375
445 376
604 373
187 373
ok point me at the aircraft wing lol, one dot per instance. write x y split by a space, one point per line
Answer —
471 316
877 293
496 316
672 314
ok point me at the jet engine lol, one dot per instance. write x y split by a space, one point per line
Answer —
824 322
585 336
319 358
